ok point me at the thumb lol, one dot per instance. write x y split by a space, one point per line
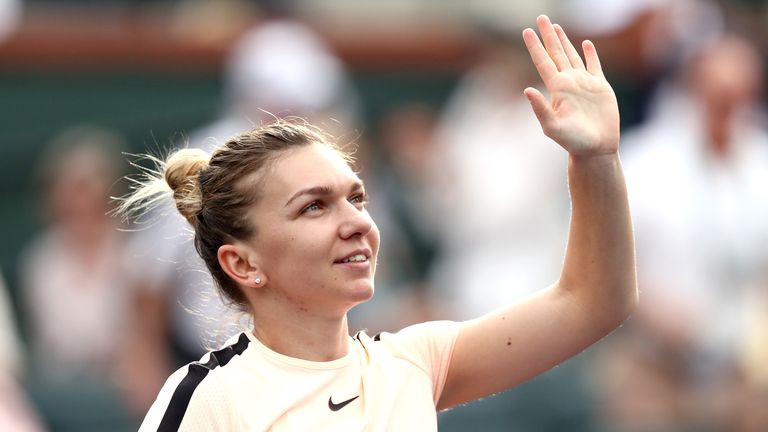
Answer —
541 108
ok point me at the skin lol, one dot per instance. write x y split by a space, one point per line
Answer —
301 302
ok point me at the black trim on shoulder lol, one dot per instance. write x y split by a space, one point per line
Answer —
224 355
174 414
196 372
357 338
375 338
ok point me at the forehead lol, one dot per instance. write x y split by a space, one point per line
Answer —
309 166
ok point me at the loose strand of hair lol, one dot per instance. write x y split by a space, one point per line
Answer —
147 189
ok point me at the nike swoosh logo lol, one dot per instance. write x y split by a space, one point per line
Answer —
338 406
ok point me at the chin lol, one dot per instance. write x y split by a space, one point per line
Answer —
363 293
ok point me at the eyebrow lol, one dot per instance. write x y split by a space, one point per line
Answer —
321 191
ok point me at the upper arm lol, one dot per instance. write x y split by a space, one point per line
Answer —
513 344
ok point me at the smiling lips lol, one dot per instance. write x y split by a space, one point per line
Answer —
355 257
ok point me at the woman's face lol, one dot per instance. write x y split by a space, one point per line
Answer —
315 242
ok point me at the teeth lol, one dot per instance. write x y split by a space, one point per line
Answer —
356 258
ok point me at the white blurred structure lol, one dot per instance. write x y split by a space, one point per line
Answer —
502 186
10 346
15 413
283 67
10 16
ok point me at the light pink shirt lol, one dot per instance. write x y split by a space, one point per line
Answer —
391 382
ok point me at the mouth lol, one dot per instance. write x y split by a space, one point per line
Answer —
358 256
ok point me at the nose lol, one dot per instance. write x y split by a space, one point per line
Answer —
355 222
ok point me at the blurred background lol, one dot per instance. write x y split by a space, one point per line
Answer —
470 197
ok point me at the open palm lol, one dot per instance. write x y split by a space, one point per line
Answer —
582 114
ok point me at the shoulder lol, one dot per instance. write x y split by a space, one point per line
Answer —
195 396
421 343
429 330
425 349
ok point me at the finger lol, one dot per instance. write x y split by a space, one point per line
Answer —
552 43
539 55
593 61
570 50
541 108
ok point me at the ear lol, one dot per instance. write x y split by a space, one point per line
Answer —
240 263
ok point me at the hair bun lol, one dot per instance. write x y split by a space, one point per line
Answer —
182 171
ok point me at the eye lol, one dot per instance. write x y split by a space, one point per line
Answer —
312 207
359 198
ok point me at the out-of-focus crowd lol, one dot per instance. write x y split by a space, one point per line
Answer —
472 203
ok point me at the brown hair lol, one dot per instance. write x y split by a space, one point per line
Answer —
213 194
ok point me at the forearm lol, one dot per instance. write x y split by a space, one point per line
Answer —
599 266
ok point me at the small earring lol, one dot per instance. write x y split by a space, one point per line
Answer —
257 281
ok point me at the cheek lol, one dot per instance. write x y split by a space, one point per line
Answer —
376 233
374 238
291 254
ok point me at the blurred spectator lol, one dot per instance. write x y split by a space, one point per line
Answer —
407 145
77 260
278 68
697 179
15 412
73 281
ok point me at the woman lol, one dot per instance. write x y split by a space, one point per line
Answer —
280 221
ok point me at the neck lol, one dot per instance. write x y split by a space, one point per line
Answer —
300 334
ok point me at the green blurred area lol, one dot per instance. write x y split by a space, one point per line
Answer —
37 106
151 110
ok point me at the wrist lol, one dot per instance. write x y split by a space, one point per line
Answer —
598 158
593 162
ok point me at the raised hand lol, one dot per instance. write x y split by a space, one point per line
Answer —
582 114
